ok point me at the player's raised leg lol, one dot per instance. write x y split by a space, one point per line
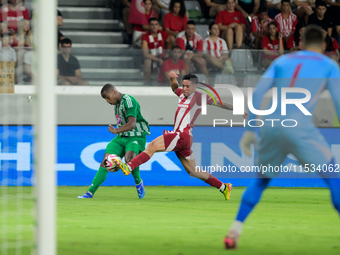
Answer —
190 167
156 145
250 198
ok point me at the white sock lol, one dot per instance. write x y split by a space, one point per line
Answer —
237 226
223 187
129 168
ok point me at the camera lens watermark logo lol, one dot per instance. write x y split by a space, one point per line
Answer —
239 102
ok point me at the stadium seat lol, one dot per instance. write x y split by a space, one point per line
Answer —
192 5
243 60
202 78
250 80
225 79
202 30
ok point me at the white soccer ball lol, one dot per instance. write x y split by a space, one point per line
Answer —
110 163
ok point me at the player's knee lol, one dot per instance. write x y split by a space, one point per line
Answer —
220 8
172 39
202 62
147 62
63 82
151 146
102 164
84 83
129 157
230 32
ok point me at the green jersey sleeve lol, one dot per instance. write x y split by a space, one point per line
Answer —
131 107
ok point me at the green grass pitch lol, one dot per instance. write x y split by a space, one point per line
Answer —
179 221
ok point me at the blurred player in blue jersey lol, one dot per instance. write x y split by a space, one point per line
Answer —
310 70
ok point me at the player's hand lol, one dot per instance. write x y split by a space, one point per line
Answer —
112 129
245 115
173 75
189 56
232 25
160 61
280 36
247 140
73 80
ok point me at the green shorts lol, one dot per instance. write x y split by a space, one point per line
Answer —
119 145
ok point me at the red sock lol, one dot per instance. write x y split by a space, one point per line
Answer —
212 181
137 161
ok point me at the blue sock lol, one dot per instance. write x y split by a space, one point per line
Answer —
251 197
333 181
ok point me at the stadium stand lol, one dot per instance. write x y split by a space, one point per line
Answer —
251 79
202 30
98 44
243 60
98 37
202 78
225 79
192 5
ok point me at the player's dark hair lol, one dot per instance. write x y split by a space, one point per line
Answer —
299 25
285 1
152 19
261 9
211 25
191 77
107 87
320 3
182 11
65 41
176 47
313 35
191 22
146 0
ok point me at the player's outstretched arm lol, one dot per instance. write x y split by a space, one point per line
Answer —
224 105
127 127
228 106
173 81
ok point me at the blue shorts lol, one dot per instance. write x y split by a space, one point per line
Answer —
306 144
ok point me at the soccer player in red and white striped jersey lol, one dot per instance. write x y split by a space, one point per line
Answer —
286 21
180 139
215 50
259 26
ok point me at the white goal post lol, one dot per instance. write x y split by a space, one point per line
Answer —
45 66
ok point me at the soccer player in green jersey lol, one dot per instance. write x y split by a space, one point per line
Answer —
130 138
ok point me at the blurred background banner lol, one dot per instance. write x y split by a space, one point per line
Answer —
81 148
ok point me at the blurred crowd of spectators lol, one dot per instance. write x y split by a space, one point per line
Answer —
17 42
170 42
274 26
